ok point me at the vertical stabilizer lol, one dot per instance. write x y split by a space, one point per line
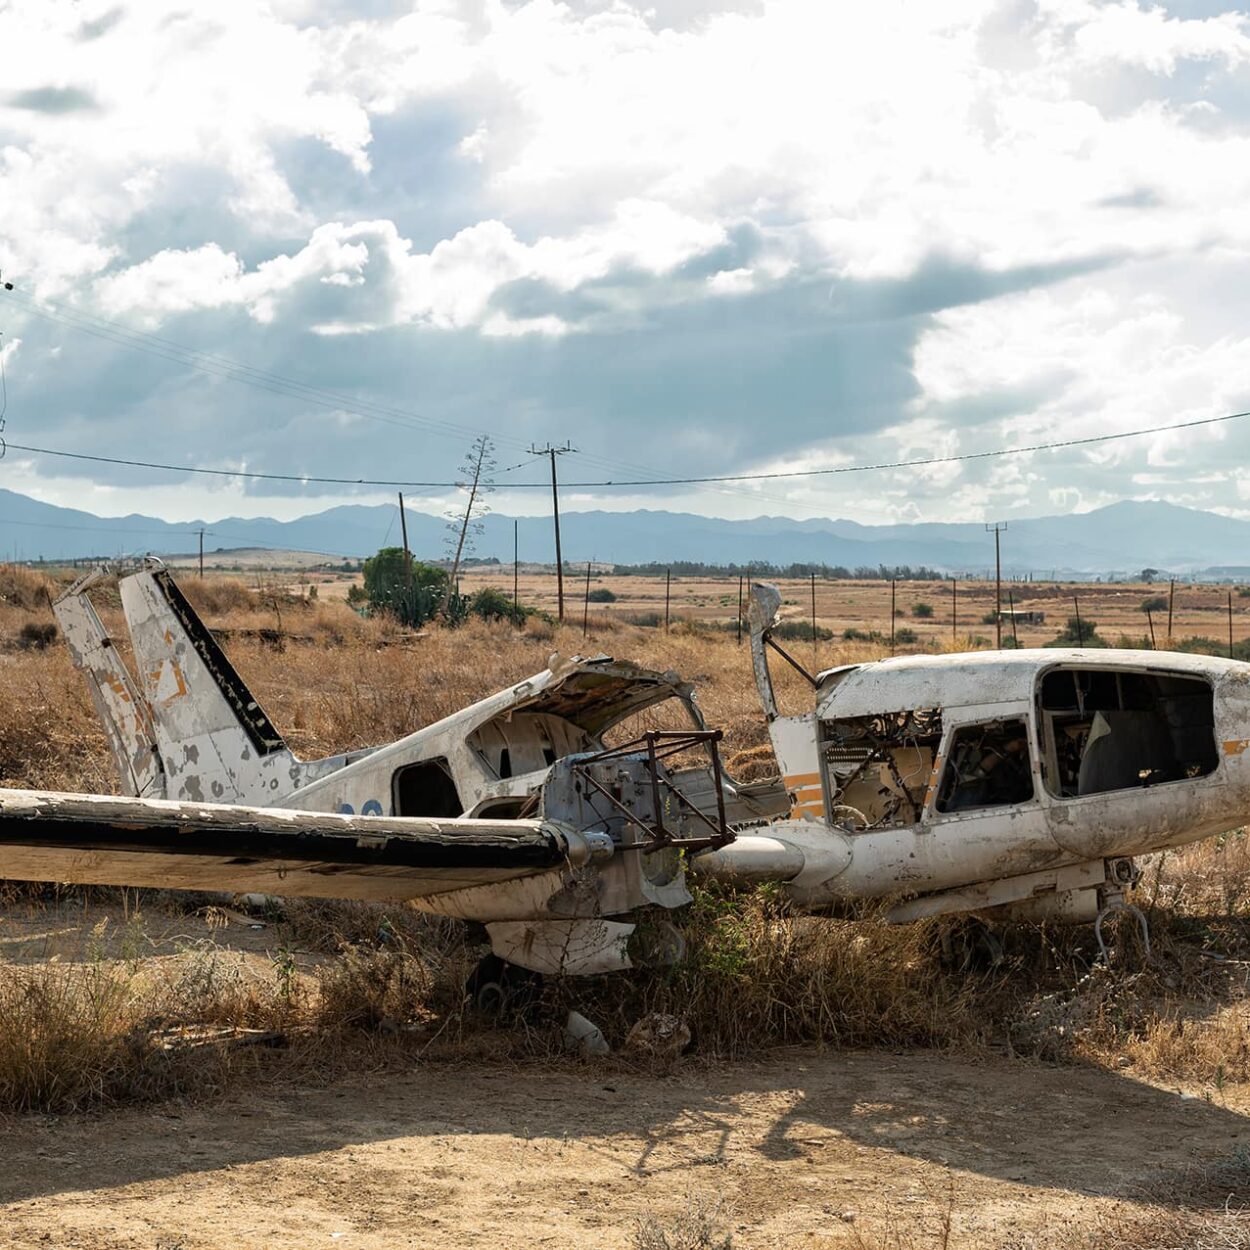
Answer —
122 709
216 742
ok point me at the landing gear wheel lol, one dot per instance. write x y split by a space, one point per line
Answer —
500 990
971 946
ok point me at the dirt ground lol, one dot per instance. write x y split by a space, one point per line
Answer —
806 1149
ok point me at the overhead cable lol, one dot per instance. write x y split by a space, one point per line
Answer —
658 481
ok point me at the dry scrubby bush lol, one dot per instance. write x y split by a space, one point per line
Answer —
101 1031
109 1029
25 588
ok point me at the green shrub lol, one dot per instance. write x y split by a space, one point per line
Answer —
922 611
601 594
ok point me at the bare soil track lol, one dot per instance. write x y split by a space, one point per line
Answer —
808 1149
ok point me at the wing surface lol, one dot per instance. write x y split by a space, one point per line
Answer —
109 840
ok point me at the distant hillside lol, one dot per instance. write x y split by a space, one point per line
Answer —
1124 538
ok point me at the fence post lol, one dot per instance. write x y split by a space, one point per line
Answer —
1171 597
739 609
893 585
668 577
814 618
586 604
1080 631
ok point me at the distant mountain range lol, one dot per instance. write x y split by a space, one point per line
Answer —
1122 538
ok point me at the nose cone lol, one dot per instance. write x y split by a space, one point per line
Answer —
804 857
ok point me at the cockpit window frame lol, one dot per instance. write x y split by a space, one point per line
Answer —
1047 754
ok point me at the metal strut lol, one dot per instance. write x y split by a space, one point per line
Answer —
1114 902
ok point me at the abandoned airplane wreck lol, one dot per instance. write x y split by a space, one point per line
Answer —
1015 784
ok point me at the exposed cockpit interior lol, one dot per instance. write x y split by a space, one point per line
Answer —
1103 729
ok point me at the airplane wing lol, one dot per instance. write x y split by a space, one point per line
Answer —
93 839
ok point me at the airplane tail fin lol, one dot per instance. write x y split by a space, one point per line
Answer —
217 743
120 705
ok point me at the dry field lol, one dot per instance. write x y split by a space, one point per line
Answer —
1198 610
175 1073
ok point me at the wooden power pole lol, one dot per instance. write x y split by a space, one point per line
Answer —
552 452
996 529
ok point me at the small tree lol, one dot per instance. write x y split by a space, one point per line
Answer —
408 589
1079 633
1148 575
465 525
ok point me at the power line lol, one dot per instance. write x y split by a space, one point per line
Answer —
246 473
928 460
657 481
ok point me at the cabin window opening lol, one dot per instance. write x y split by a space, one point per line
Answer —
987 765
426 789
505 764
878 767
1104 730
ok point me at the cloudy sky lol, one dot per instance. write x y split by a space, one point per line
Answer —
690 237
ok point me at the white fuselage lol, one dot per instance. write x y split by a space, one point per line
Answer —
1037 841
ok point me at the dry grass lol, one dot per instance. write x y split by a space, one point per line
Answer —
702 1225
387 980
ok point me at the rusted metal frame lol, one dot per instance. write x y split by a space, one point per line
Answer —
720 836
714 751
653 768
720 831
789 659
678 739
632 817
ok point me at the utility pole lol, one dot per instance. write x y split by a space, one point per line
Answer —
954 613
516 567
996 529
552 452
586 604
403 526
201 554
668 580
739 609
